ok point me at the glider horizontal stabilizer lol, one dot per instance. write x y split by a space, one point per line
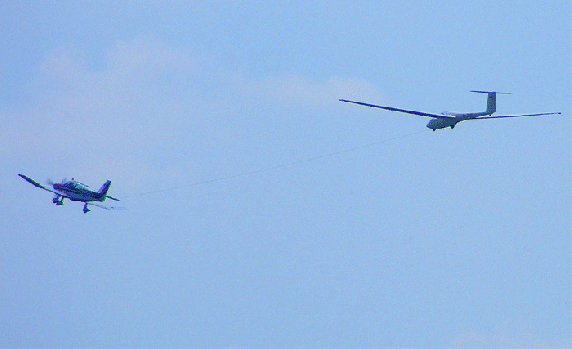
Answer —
498 93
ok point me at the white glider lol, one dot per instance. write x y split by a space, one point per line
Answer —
450 119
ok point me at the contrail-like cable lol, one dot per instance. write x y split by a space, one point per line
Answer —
273 168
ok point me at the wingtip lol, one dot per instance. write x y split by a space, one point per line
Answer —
25 177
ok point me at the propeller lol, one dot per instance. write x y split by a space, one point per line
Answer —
51 182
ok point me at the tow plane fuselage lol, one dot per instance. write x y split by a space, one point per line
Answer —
76 191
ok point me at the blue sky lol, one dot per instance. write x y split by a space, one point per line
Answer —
290 219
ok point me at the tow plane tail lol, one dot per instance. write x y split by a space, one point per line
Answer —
102 192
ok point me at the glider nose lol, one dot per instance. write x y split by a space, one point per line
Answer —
432 124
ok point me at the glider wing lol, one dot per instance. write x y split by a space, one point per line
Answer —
514 116
414 112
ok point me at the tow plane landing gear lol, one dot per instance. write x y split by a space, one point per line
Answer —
58 200
85 209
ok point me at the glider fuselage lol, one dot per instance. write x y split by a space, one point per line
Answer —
450 119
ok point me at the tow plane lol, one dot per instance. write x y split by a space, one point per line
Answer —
76 191
450 119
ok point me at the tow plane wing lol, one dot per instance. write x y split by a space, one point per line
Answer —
34 183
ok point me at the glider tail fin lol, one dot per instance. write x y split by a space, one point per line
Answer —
491 100
491 103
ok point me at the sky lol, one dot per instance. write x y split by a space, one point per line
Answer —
262 212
